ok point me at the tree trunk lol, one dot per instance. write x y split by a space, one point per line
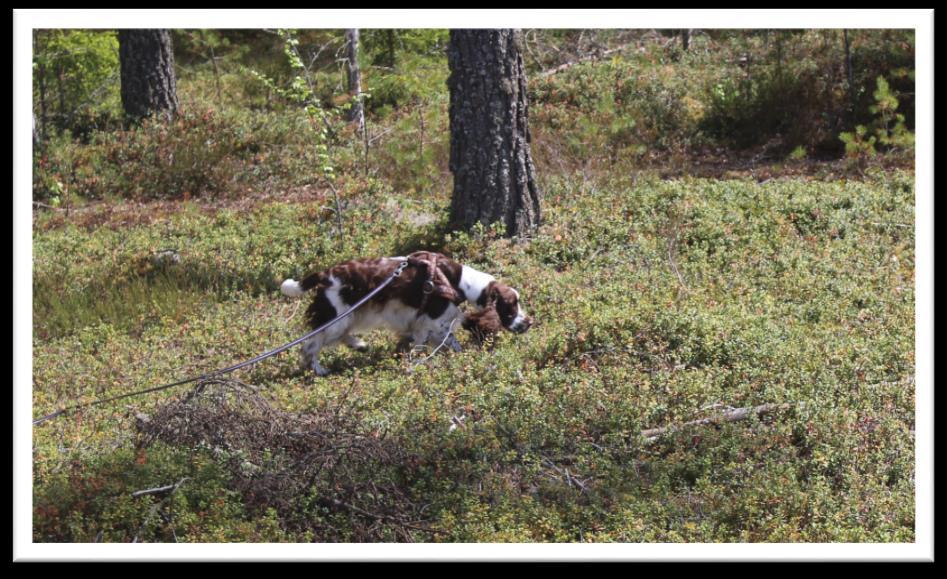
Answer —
43 114
390 46
850 75
147 72
494 175
685 38
357 112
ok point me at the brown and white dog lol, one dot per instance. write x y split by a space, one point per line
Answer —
420 305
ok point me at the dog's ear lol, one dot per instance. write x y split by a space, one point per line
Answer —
483 324
488 298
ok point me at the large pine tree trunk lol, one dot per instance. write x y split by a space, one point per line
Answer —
147 73
494 176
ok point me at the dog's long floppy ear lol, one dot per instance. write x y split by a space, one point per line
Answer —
483 324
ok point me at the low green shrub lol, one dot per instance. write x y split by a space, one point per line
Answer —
203 151
657 303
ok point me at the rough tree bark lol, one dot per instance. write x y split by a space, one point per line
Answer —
494 175
357 113
147 73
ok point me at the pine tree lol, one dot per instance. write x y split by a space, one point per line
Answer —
490 157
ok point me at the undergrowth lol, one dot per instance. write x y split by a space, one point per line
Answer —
656 302
158 251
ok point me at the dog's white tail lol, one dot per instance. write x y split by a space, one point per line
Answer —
292 288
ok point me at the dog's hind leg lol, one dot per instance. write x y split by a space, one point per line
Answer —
354 342
327 339
310 355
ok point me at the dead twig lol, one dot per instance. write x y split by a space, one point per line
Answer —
450 334
338 211
672 245
571 479
275 457
652 434
160 490
591 57
169 489
45 206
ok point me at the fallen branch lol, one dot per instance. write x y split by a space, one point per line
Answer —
45 206
734 415
157 506
588 58
904 225
159 490
571 479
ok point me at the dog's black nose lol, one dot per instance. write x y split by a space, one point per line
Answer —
522 326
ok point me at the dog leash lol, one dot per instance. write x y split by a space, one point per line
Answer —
235 367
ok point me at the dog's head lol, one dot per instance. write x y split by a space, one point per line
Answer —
499 309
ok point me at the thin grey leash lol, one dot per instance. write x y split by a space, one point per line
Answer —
249 362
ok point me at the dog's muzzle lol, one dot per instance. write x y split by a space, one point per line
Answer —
521 325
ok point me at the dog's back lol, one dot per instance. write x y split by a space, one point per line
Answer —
419 305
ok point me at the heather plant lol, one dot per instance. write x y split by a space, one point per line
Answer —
658 303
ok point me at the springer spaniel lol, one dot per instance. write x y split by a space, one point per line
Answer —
420 305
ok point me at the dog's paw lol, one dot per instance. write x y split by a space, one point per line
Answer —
404 345
318 370
452 343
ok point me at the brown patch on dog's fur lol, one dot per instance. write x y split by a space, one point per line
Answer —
483 324
360 276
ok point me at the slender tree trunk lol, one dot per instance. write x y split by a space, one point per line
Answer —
685 38
494 175
850 75
147 72
357 112
43 113
779 55
61 89
420 131
390 45
213 61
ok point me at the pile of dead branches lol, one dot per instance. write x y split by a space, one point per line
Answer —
317 470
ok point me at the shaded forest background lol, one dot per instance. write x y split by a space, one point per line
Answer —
600 100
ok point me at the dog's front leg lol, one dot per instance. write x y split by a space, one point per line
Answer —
441 330
452 342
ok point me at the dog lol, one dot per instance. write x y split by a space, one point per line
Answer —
421 305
